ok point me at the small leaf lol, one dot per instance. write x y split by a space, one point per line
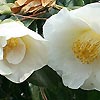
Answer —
93 95
5 9
27 22
78 2
10 1
43 77
35 91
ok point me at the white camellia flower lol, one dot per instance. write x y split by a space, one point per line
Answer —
74 46
22 51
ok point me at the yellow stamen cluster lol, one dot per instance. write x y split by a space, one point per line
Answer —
86 51
11 44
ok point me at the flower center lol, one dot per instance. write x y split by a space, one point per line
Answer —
87 48
11 44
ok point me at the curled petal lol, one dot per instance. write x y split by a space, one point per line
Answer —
16 55
90 14
35 58
29 55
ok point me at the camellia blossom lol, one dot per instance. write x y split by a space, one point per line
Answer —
74 46
22 51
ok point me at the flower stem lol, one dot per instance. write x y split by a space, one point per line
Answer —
43 94
29 17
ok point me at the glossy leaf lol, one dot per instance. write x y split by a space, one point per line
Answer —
10 1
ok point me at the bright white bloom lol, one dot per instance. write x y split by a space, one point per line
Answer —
74 46
22 51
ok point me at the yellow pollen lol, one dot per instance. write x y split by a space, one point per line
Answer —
86 51
11 44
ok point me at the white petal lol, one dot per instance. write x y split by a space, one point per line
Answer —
16 55
93 82
35 58
89 83
89 13
4 69
1 53
76 79
16 29
61 30
66 33
3 41
97 79
75 73
12 29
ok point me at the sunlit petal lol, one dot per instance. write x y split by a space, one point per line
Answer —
17 54
23 51
34 59
66 28
89 13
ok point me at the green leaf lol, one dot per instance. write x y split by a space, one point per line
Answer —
53 11
64 2
93 95
36 92
78 94
33 26
5 9
10 1
78 2
27 22
60 93
2 17
40 24
43 77
70 3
